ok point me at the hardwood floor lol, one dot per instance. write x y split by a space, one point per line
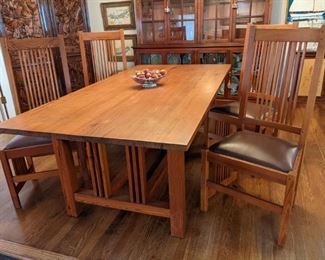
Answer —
229 230
11 250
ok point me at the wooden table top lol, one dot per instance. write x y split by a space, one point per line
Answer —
118 110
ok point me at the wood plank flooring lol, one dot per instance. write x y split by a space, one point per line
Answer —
11 250
229 230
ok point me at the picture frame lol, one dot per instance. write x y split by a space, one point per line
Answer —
118 15
130 41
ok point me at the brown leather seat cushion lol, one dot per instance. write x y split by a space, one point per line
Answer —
20 141
232 108
257 148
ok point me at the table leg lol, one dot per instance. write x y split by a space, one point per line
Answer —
68 177
176 183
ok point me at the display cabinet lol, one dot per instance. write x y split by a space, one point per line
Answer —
161 21
196 31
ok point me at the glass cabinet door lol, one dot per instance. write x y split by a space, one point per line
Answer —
181 16
248 11
179 58
237 59
153 15
151 58
213 58
216 20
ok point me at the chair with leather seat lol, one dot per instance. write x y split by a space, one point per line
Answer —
224 115
225 112
40 84
264 155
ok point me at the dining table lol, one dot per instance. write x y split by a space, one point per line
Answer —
119 111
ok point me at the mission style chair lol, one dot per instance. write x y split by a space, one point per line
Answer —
104 54
41 84
261 155
101 58
225 111
224 115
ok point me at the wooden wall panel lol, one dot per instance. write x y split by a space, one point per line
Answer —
20 18
69 21
70 18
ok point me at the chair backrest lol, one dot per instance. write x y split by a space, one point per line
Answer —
105 48
272 64
40 76
259 70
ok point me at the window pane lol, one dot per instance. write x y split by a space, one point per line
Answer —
189 30
189 10
159 32
179 58
146 10
158 10
213 58
175 9
174 59
243 8
182 31
209 29
258 7
216 9
147 32
151 59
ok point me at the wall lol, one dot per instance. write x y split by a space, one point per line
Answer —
4 82
279 11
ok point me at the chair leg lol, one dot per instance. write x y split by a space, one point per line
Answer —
297 183
204 179
30 164
287 207
30 168
206 133
9 178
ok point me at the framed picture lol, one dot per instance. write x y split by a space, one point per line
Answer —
118 15
130 41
